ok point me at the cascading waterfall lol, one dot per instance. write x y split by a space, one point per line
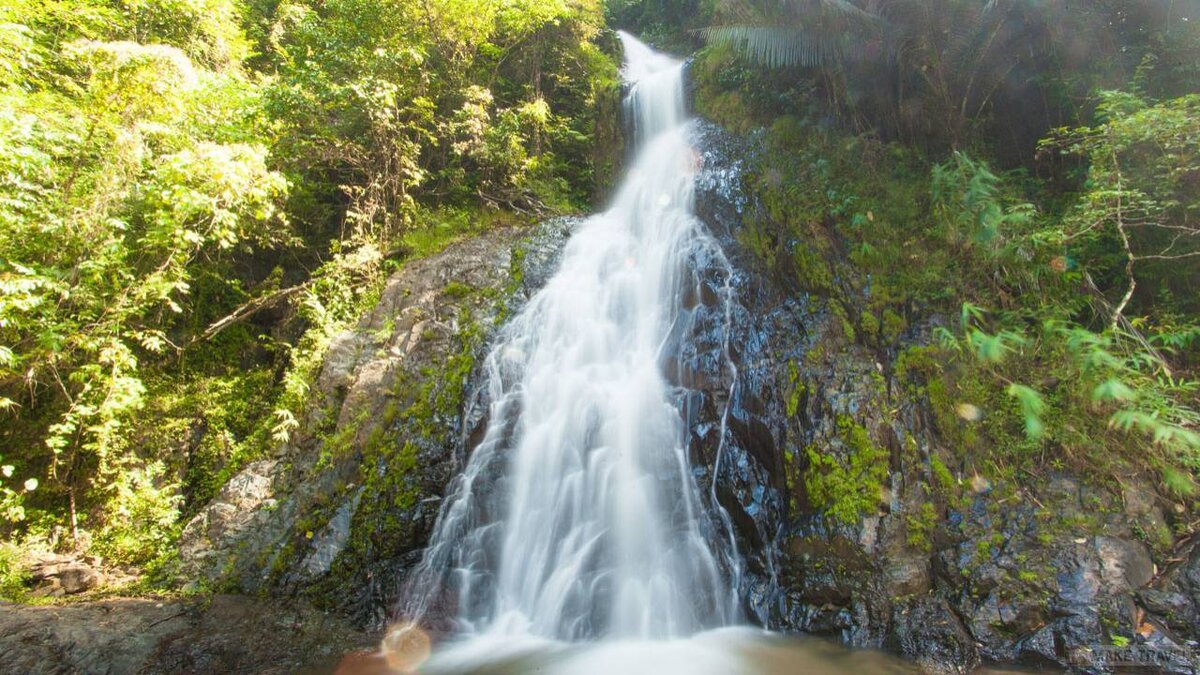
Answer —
578 516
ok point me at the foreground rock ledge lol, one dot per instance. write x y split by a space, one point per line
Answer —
222 634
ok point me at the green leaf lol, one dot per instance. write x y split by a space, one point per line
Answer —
1112 389
1178 482
1032 406
971 312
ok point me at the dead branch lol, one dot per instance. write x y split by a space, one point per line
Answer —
269 300
1125 324
250 309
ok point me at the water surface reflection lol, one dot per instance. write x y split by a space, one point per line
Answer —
724 651
717 652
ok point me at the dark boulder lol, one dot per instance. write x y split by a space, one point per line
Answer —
57 575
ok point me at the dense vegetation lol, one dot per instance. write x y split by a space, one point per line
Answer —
196 195
1029 171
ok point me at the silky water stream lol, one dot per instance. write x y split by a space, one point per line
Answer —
576 539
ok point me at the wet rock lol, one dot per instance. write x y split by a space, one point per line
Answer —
1164 603
1053 571
1124 565
1175 597
330 542
1144 508
1053 574
737 415
928 632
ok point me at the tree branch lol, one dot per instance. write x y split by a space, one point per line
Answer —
250 309
1129 257
266 301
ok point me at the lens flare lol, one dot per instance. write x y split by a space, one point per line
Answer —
405 647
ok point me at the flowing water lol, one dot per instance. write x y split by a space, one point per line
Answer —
576 537
597 528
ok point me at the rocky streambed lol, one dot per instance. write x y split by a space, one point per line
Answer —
220 634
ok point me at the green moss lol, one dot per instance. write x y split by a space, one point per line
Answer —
847 489
921 526
717 95
874 233
426 404
962 434
870 325
424 408
843 318
435 229
815 355
13 573
812 270
917 365
455 290
388 463
945 480
385 332
797 389
983 548
283 559
337 443
893 325
516 267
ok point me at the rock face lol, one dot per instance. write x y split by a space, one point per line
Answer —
852 516
343 509
1056 571
226 635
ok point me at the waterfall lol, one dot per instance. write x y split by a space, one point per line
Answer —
578 516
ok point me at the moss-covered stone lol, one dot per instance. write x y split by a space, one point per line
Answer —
354 490
847 482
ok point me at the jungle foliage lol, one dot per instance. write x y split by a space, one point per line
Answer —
949 73
1030 171
196 195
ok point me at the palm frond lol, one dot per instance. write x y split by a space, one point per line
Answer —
834 6
805 33
780 46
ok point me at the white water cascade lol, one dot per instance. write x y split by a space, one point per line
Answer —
578 517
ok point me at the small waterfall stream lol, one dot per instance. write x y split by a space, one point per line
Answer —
578 517
597 528
577 539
